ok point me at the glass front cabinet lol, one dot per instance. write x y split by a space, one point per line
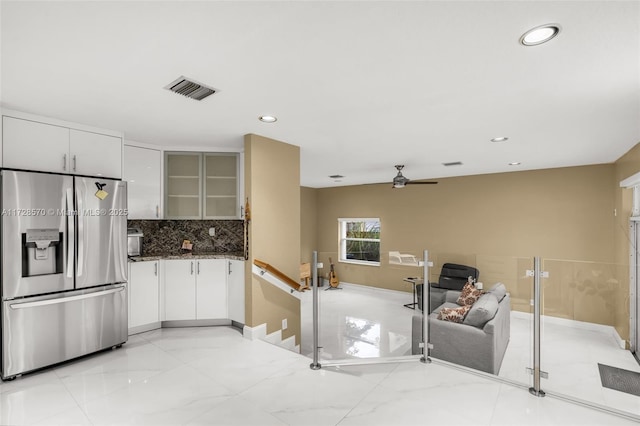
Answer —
202 185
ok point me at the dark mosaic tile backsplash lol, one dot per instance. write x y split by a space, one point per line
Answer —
164 237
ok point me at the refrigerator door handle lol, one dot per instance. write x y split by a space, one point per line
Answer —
70 231
64 299
80 224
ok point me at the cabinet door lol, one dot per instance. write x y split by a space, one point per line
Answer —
142 173
30 145
221 186
211 289
183 186
94 154
144 293
179 290
235 290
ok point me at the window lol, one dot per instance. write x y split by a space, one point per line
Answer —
360 241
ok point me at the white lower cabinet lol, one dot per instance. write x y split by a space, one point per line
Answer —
179 290
144 293
196 289
211 289
235 290
172 290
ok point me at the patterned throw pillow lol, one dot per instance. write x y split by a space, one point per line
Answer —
454 314
468 295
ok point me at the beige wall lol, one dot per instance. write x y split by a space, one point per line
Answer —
497 222
308 223
562 213
627 165
272 185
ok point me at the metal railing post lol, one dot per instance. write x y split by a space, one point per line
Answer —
537 274
315 365
426 297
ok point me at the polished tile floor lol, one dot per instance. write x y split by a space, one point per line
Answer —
214 376
363 322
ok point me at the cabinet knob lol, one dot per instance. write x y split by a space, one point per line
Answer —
191 268
64 162
74 163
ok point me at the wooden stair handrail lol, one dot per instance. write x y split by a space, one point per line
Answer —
283 277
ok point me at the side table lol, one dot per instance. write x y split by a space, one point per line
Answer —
415 281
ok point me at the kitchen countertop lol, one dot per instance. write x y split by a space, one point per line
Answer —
233 256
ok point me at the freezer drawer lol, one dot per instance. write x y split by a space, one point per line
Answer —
41 331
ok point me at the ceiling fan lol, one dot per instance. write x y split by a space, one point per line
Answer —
400 181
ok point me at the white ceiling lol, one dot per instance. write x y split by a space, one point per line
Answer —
359 86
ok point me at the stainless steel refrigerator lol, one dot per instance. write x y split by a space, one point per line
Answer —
63 270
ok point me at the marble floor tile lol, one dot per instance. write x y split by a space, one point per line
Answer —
298 395
212 375
243 365
172 397
73 416
26 404
236 411
121 370
570 354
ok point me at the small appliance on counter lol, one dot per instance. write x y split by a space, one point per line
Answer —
134 242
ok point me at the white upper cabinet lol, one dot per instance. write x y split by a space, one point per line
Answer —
95 154
30 145
202 185
143 176
183 187
57 147
220 186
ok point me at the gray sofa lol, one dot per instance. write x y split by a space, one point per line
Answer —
474 343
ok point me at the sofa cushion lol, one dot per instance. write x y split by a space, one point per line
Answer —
453 314
468 295
499 290
482 311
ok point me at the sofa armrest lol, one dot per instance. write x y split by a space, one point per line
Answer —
502 316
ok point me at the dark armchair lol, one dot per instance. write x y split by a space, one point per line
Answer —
452 277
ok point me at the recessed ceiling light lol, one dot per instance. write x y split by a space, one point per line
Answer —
500 139
515 163
539 35
267 119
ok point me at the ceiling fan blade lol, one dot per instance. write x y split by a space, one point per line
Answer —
420 183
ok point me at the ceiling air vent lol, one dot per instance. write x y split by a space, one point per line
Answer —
454 163
191 89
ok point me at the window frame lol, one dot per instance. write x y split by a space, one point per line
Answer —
342 240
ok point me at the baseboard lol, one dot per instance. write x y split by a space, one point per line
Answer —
582 325
145 327
195 323
367 288
259 332
255 333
